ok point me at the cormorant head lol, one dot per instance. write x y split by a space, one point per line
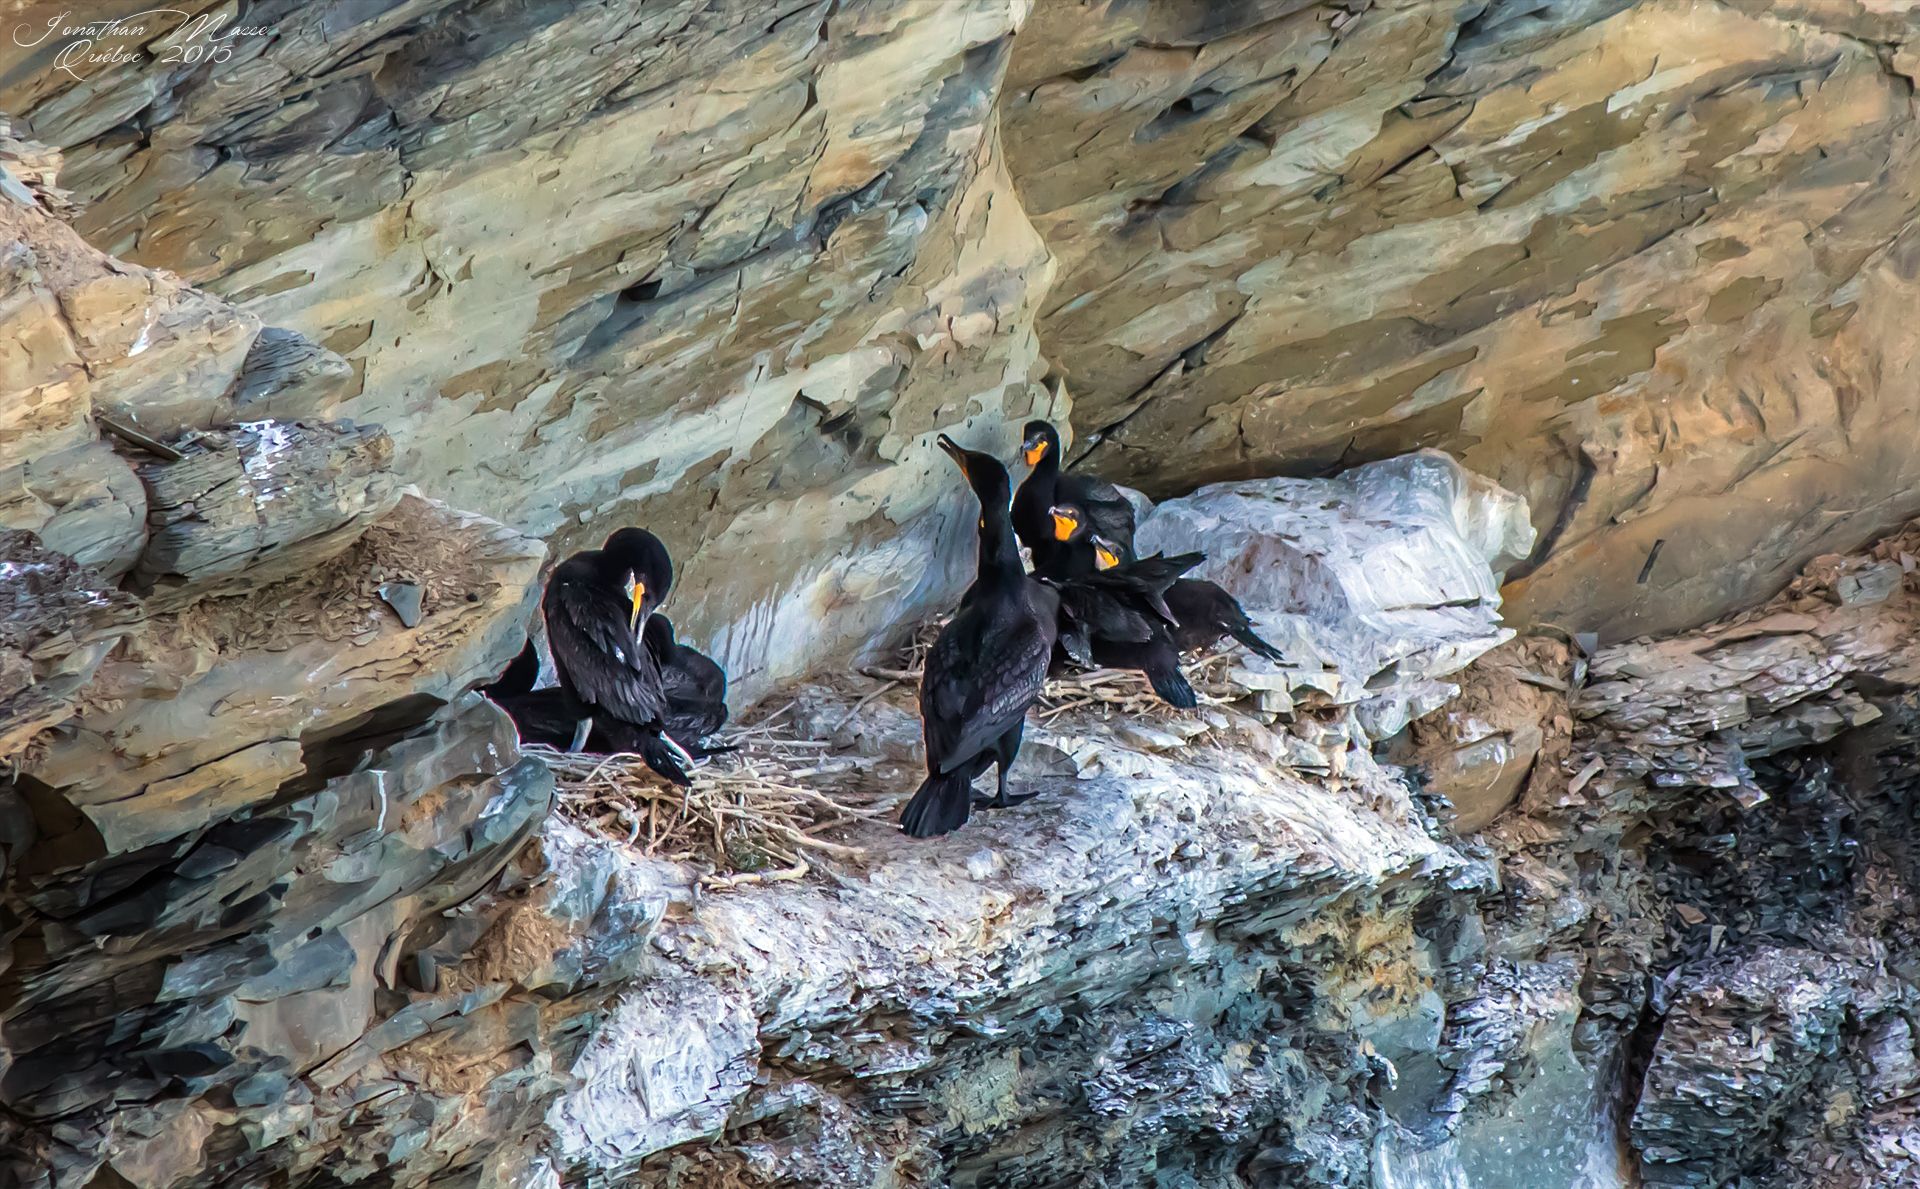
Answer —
1106 555
983 471
1039 440
1069 521
640 561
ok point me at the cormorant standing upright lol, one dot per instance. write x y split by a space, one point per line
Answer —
594 603
987 666
696 687
1108 512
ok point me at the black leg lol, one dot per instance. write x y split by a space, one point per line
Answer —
1004 753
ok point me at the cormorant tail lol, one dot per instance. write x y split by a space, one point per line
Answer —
1171 684
1255 645
941 806
1241 628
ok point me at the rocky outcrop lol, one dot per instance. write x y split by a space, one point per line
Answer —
263 937
1666 301
724 268
283 904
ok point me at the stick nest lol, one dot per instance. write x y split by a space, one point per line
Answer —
756 815
1104 692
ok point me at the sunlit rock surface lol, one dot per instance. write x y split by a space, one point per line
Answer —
725 267
1663 295
282 905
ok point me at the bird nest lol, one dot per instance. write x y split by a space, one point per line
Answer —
1102 692
759 814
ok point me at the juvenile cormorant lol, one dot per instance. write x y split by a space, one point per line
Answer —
987 666
1202 611
1114 613
1107 511
594 603
695 684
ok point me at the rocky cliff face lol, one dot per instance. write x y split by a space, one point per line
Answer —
332 314
723 268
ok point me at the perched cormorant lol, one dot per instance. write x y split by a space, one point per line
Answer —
1107 511
1114 613
695 684
1202 611
987 666
541 716
594 603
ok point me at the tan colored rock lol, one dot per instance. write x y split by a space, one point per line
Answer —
220 704
57 622
1667 301
96 353
1481 749
247 507
795 255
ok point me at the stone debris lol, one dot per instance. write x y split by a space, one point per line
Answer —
1697 710
58 620
262 502
1740 1042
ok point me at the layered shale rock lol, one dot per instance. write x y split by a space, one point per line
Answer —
724 267
284 905
718 269
1667 301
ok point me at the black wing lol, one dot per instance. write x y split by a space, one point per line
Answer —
979 683
1096 607
1160 571
1109 510
596 655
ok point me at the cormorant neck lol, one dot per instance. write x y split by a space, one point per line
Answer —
999 561
1047 470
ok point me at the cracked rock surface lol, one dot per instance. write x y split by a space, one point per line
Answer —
725 266
312 355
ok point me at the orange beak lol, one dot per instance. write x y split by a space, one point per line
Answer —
1034 453
1064 525
1104 557
954 452
639 594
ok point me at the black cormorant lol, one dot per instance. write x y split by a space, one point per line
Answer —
695 684
987 666
1108 511
594 603
1202 611
1114 613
